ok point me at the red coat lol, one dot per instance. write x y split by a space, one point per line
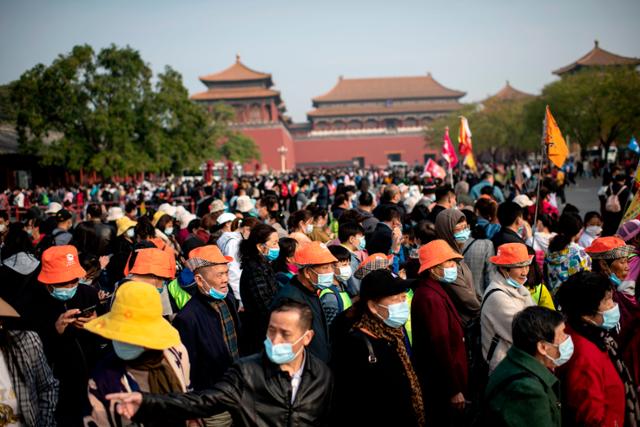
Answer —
439 352
592 391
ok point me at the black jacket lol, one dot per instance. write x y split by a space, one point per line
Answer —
256 393
380 241
201 332
370 394
94 237
296 291
506 235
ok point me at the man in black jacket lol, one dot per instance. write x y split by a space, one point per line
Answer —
284 385
511 220
93 236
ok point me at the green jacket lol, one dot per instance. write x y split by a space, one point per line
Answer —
522 392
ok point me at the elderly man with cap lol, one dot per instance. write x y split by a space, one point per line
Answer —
376 383
284 385
147 353
439 349
315 273
505 297
610 259
63 309
28 390
208 324
157 268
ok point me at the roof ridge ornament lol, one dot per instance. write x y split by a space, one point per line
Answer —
596 43
237 58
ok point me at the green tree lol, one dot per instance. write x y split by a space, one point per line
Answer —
599 106
100 112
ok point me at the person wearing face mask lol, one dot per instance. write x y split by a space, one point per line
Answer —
146 353
375 354
335 299
610 259
315 273
523 391
300 225
630 233
71 350
208 324
476 250
258 284
439 349
236 230
505 297
592 229
451 226
282 385
597 388
351 236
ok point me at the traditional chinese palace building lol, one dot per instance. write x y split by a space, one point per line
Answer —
597 57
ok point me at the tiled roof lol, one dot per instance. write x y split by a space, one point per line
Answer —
235 93
399 108
236 72
384 88
509 93
598 57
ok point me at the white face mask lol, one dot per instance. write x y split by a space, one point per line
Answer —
344 272
593 230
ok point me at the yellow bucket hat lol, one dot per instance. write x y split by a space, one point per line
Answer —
124 224
136 318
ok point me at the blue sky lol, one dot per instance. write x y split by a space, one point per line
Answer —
474 46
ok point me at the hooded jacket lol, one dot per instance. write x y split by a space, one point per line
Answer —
462 292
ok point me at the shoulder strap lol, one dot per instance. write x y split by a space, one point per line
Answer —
372 356
621 190
486 297
469 246
496 338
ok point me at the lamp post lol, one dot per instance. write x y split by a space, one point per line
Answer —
283 153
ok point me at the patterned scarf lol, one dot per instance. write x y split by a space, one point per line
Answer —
395 336
162 379
228 327
605 341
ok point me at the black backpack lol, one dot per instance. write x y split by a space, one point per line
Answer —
46 242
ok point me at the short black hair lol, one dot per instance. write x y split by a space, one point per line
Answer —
340 252
269 201
590 215
287 250
569 208
130 207
94 210
532 325
424 231
287 304
508 213
389 213
485 175
581 295
349 229
443 191
365 199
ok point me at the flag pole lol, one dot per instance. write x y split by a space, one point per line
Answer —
539 183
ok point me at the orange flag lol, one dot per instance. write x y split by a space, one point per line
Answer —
556 146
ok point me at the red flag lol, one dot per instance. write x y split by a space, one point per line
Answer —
464 137
434 169
448 152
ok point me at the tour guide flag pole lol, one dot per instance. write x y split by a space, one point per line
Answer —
465 147
449 153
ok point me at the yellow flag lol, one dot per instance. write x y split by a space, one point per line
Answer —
470 162
556 146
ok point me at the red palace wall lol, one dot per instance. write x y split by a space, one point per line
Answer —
269 139
341 150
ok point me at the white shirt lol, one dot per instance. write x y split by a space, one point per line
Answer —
296 379
8 399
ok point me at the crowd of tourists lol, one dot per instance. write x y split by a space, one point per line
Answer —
321 298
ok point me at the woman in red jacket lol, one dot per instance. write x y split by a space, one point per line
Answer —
439 352
597 390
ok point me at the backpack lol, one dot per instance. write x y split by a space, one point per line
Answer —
47 241
613 201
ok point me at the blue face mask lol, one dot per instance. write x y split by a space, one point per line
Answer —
127 351
362 244
566 351
64 294
398 314
513 282
611 318
450 274
324 280
216 294
615 279
462 236
281 353
273 253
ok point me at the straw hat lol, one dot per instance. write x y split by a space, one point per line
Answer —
136 318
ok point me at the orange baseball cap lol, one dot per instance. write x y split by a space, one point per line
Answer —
205 256
60 264
609 247
314 253
434 253
512 255
152 261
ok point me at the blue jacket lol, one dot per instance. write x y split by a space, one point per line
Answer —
201 332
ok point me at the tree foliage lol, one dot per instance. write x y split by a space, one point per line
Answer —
101 112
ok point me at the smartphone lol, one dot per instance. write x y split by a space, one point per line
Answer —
86 312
